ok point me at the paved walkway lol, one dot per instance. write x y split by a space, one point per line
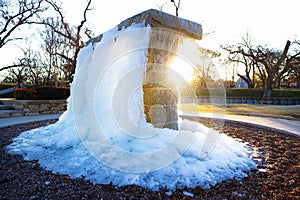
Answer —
25 119
285 125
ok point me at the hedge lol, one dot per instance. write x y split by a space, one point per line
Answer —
245 93
42 93
50 93
258 93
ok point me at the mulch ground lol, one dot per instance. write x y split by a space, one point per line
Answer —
277 176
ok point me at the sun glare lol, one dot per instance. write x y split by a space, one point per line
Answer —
183 68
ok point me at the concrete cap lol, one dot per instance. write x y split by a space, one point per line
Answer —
156 18
159 19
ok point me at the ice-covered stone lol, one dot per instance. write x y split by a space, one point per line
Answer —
167 32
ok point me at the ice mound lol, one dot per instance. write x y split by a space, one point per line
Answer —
93 139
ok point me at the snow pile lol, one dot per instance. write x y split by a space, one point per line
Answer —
104 137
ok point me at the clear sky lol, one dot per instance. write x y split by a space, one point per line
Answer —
269 22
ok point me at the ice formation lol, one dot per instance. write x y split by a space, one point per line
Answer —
104 137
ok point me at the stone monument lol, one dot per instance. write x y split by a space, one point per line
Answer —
160 97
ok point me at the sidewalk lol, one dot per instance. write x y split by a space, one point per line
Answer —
285 125
25 119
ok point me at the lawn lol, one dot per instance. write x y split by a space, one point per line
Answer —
244 109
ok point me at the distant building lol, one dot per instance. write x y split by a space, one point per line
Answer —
241 83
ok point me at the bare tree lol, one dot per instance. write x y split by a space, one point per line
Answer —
15 75
235 56
273 62
52 44
9 67
63 41
293 63
19 73
177 6
13 16
28 69
70 36
207 56
203 74
270 63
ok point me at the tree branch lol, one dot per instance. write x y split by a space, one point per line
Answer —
84 17
11 66
26 12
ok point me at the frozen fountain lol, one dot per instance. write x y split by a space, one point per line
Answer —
166 34
122 82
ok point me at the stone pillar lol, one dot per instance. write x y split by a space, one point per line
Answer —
160 97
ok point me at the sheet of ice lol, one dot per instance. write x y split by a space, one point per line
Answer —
95 139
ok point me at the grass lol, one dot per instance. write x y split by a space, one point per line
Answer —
244 109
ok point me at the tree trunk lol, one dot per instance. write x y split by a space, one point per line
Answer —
19 81
268 90
267 94
49 71
278 83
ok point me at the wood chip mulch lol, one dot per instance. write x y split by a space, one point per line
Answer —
276 177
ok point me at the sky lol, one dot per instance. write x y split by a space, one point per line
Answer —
269 22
